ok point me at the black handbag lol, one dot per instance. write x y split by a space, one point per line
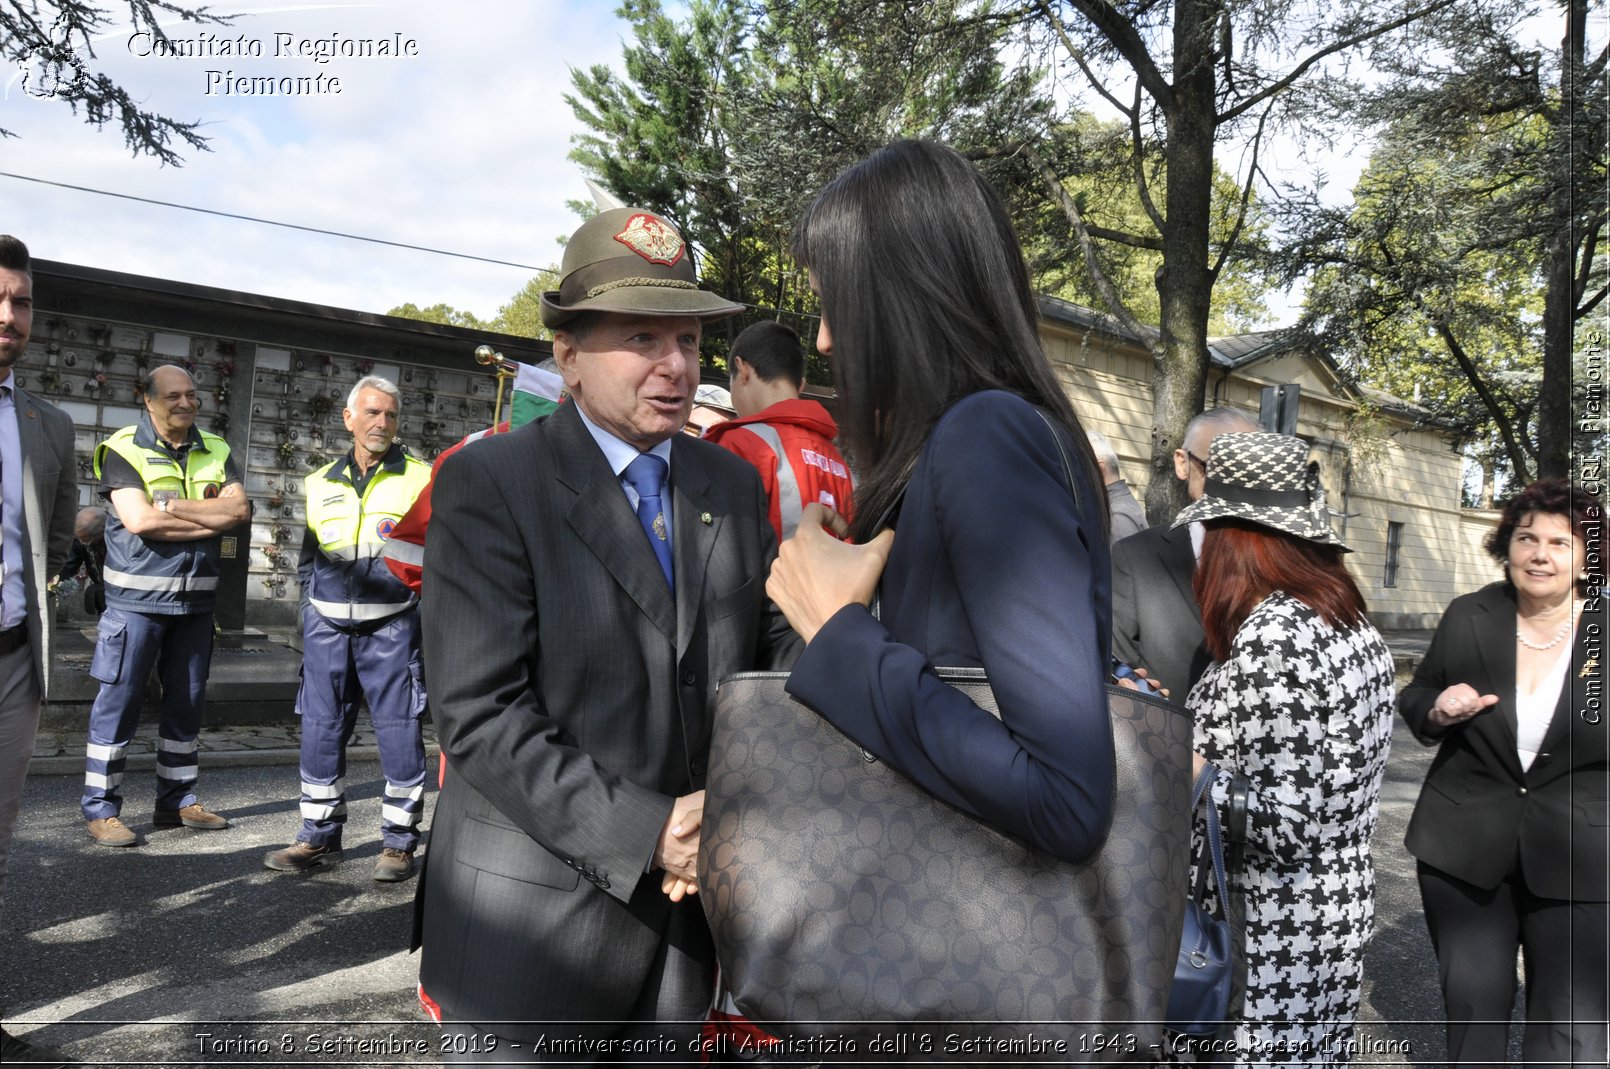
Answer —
1204 976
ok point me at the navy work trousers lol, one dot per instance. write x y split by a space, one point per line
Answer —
339 667
129 644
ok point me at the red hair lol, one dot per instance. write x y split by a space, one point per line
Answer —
1242 563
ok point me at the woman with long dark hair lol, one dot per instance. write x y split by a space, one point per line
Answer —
958 425
1510 829
1298 705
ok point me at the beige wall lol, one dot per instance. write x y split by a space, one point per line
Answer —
1377 469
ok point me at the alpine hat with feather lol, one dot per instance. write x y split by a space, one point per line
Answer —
630 261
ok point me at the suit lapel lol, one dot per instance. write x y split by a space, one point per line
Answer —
1565 719
1494 631
695 535
1179 561
604 521
35 539
31 438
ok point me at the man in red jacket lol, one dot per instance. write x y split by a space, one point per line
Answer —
774 423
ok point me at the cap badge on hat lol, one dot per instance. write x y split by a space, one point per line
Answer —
653 239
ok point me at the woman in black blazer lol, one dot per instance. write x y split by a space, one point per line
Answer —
1510 829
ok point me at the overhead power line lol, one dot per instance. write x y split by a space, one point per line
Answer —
266 222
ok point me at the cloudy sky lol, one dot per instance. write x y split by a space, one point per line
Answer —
461 148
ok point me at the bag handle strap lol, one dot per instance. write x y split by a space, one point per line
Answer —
1062 451
1215 841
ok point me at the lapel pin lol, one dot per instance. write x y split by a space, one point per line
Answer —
705 518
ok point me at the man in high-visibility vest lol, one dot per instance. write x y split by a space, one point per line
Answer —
788 438
173 490
360 638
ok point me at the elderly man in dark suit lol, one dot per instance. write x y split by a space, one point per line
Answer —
594 576
1155 622
38 494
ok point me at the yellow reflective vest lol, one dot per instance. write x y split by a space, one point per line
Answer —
343 571
167 578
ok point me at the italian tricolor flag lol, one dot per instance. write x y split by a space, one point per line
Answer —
536 393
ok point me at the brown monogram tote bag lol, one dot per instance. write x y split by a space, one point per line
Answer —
857 916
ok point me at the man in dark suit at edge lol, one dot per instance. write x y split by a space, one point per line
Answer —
38 496
1155 622
594 576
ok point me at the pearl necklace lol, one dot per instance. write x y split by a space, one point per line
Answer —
1565 629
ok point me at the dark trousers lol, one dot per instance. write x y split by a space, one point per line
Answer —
130 644
1476 932
19 724
339 667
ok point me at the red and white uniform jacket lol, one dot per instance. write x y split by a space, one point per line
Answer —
802 432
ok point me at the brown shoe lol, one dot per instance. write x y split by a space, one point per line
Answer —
193 815
393 865
299 857
110 831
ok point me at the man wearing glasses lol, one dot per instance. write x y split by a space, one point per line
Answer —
1155 622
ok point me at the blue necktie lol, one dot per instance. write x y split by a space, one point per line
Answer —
646 475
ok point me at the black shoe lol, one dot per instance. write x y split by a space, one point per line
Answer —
15 1051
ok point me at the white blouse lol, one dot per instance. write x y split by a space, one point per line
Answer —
1535 711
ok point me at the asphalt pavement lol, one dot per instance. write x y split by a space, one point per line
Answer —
185 951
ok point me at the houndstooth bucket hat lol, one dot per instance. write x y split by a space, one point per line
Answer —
1265 479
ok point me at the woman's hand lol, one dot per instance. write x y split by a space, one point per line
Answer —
816 575
1457 704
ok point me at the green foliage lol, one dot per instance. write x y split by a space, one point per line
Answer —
1095 158
444 314
729 120
1441 282
520 316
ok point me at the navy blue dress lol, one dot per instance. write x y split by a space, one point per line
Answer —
993 566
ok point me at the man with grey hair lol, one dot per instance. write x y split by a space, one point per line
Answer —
1125 514
1156 624
360 639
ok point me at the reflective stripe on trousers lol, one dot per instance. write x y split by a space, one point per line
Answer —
339 668
129 645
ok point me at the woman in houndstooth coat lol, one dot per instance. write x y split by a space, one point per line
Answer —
1298 703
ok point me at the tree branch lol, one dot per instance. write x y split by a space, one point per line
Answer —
1590 247
1124 38
1278 87
1592 302
1246 197
1518 458
1079 57
1138 155
1104 286
1124 237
